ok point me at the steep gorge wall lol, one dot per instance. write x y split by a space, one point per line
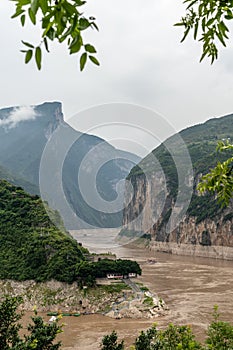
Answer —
209 237
143 209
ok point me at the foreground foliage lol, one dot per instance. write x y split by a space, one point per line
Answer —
209 18
219 180
64 21
109 342
40 335
219 337
60 20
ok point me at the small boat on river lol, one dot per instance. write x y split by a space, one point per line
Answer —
76 314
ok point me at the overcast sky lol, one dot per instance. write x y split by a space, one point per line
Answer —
142 63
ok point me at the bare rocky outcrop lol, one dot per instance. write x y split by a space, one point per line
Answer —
62 297
142 305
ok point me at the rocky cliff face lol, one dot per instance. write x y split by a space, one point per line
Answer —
210 237
144 208
58 118
200 227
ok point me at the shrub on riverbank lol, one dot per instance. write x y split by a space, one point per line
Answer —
40 335
175 337
88 272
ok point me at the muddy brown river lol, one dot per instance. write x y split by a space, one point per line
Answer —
190 287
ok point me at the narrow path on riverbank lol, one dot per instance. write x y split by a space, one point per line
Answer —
135 288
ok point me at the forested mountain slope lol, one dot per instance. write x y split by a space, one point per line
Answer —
31 246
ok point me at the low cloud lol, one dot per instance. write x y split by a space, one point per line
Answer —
18 114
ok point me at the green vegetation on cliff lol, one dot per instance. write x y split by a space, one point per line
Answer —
18 181
31 246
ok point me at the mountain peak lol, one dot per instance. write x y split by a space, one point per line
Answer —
50 108
50 112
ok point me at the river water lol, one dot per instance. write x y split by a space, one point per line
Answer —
190 287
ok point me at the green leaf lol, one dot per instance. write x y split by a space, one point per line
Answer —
28 56
94 60
34 6
70 30
223 27
203 24
47 29
210 21
32 16
21 3
17 13
22 19
90 48
83 60
44 6
70 9
220 37
80 2
27 44
76 44
191 4
83 24
229 14
38 57
50 34
179 24
185 34
46 44
204 54
196 30
93 24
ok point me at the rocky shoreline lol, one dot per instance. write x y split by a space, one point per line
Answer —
112 301
215 252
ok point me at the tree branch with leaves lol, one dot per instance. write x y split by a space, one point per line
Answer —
40 335
207 20
60 20
219 180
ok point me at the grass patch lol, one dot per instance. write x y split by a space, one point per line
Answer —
114 288
148 301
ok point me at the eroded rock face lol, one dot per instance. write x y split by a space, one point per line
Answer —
209 232
147 202
210 237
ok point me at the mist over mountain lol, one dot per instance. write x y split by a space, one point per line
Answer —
30 134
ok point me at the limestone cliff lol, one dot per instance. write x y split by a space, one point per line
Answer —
165 203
